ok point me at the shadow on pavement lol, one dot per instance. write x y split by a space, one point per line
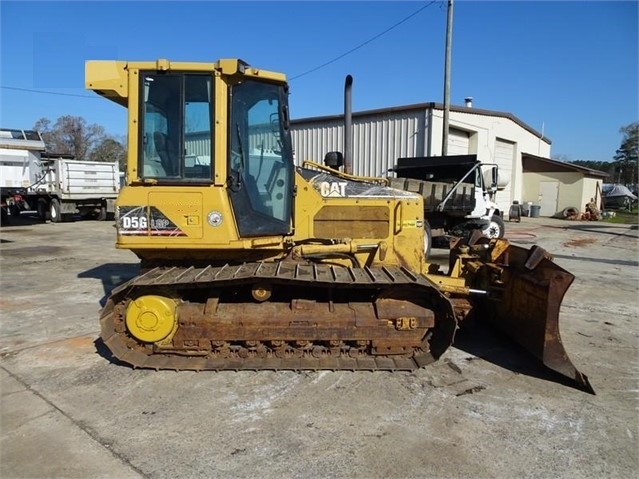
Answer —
24 219
30 218
598 260
103 351
111 275
483 341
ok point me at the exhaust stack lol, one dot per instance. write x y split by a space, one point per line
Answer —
348 125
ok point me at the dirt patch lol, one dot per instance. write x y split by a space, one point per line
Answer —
64 351
579 242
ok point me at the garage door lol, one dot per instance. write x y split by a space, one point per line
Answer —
458 142
504 157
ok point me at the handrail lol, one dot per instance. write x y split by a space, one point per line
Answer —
369 179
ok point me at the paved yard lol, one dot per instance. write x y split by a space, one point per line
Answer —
483 410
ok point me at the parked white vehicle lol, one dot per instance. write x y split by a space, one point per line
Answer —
56 186
458 191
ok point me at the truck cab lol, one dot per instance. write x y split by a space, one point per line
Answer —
458 191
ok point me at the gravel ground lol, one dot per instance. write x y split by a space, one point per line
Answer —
483 410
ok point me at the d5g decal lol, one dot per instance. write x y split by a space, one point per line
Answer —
143 221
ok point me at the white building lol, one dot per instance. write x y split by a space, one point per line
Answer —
383 135
554 185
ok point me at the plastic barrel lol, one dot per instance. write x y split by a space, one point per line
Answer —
534 211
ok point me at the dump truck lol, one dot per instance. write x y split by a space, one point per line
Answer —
57 186
249 262
459 194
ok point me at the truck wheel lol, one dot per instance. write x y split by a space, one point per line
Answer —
495 229
43 210
102 214
4 216
428 239
55 211
14 210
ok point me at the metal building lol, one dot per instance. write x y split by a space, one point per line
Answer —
383 135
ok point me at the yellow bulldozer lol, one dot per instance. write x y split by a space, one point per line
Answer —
251 262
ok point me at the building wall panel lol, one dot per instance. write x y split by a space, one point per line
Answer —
574 190
378 140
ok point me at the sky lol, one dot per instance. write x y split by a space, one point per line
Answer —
567 69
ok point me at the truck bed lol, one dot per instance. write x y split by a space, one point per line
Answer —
76 180
434 193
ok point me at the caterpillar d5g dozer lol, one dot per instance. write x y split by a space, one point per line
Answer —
249 262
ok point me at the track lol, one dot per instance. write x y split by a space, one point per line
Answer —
268 335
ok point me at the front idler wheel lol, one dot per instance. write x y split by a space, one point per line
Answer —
151 318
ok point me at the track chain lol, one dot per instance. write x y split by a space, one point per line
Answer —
127 350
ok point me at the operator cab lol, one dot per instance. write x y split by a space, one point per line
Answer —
177 133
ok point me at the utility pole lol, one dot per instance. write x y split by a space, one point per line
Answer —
449 40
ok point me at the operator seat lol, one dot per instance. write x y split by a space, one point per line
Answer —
165 152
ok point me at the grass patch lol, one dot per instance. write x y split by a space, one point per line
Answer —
624 217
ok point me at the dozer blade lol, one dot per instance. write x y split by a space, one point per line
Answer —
527 309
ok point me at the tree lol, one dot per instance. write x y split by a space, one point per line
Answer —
562 157
626 159
70 135
605 166
110 149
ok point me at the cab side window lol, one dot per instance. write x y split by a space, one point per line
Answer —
176 127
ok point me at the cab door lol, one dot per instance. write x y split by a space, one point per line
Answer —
260 182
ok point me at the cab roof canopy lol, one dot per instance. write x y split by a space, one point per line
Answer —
110 78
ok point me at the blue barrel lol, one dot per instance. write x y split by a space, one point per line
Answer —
534 211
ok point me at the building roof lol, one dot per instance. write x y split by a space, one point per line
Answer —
539 164
430 106
21 139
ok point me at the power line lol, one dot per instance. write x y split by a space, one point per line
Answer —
47 92
363 43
